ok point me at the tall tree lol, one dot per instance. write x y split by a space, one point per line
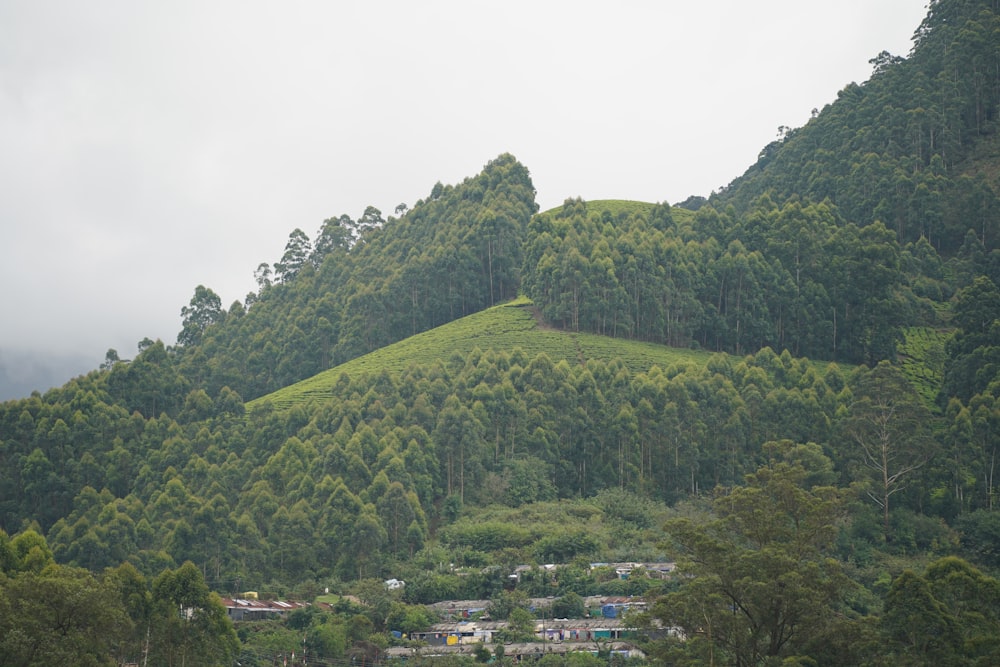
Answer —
297 253
60 616
758 583
891 428
190 625
204 310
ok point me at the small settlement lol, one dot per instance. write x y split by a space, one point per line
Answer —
465 626
560 635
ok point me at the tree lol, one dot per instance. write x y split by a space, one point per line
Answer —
369 221
60 616
262 276
110 359
297 253
948 616
191 625
334 235
204 310
368 539
890 426
974 599
759 585
460 435
919 627
396 513
569 605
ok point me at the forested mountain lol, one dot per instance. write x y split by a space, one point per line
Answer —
823 452
795 276
913 147
362 284
842 232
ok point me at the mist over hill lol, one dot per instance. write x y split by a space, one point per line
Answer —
791 388
23 372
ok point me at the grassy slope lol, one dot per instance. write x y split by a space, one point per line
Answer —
512 325
502 327
922 359
623 206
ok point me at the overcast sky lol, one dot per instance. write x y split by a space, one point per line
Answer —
149 147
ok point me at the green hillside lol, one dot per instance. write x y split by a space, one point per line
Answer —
623 208
506 327
792 391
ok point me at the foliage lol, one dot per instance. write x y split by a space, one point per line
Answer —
362 285
947 616
70 616
721 282
412 416
896 148
762 585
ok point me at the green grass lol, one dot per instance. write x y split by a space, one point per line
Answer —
501 328
619 206
682 216
616 207
922 359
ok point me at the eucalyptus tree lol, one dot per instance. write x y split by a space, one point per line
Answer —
891 429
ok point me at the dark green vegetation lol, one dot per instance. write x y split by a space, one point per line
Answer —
53 614
831 512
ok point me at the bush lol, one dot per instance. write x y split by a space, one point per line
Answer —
564 546
980 537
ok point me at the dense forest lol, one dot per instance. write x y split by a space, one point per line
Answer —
821 463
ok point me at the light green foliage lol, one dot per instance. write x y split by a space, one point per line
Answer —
922 360
31 552
508 327
616 208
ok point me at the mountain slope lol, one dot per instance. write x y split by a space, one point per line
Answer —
156 460
509 327
360 285
906 147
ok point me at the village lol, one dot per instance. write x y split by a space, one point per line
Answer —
465 627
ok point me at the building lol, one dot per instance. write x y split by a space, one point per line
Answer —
242 609
547 630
